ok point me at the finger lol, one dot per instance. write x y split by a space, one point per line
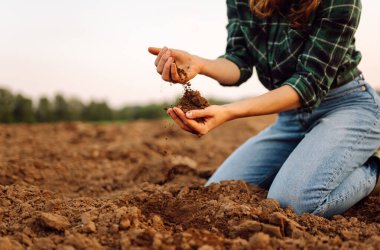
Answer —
192 124
154 51
176 119
174 73
166 71
162 52
198 113
163 60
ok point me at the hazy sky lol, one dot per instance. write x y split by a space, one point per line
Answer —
97 48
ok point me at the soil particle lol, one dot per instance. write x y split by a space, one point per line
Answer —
53 221
6 243
182 160
272 230
88 225
246 229
259 241
80 241
182 74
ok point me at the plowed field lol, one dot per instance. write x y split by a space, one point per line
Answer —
140 186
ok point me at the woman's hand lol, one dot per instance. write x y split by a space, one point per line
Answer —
176 65
212 116
278 100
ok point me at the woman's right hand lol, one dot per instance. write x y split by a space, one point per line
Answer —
176 66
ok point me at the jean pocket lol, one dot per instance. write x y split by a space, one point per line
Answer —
359 89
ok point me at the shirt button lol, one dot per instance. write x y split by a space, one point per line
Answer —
363 88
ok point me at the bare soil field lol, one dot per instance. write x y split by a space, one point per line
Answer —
140 186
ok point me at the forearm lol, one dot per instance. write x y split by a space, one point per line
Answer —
222 70
282 99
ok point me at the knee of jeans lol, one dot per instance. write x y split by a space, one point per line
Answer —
298 201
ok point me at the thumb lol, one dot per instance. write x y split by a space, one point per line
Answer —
154 51
198 113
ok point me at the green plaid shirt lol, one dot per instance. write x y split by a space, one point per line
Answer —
312 60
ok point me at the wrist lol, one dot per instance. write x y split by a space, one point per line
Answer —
200 64
241 109
231 111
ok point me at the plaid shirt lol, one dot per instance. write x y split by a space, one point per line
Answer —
312 60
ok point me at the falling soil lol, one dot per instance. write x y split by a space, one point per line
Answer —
191 99
182 74
127 186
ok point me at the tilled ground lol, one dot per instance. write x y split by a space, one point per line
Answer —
140 186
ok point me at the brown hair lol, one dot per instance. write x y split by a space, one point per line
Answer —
298 15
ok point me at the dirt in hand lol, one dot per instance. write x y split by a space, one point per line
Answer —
191 100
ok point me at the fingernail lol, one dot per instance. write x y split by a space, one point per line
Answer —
189 114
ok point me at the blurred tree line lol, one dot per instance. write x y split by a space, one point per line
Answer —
16 108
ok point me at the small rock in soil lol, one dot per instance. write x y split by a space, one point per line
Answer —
53 221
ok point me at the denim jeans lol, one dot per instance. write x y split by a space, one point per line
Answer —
315 162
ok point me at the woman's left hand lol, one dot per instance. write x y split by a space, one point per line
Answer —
212 116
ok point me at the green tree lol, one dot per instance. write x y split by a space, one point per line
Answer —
7 104
75 107
151 111
125 113
44 112
23 110
61 109
97 111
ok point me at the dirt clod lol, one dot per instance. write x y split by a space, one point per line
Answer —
53 221
6 243
259 241
191 100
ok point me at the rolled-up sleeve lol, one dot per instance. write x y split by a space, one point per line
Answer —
332 34
236 50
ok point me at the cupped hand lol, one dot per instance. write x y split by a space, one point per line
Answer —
170 63
212 116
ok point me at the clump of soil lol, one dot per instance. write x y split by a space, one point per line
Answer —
192 99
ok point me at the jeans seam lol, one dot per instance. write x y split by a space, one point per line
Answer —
328 204
373 97
318 208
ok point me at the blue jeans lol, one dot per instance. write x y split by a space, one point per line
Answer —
315 162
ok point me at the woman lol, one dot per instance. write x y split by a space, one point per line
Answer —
316 158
